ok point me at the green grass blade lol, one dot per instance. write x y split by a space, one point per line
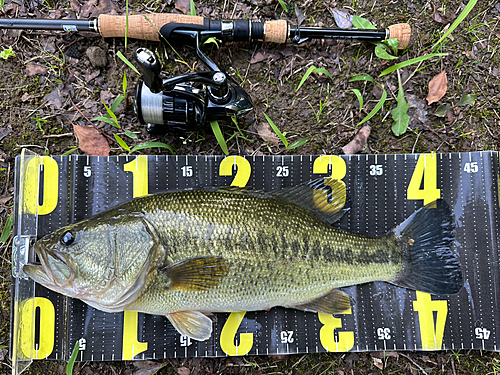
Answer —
457 22
125 60
297 144
122 143
124 83
313 69
308 73
72 359
283 5
362 77
145 145
276 130
411 62
359 96
219 136
7 228
105 119
112 115
192 8
376 108
116 103
129 134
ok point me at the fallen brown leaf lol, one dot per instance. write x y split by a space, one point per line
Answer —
437 87
267 134
359 141
259 57
182 5
91 141
34 69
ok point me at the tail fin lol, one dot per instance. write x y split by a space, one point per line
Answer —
429 264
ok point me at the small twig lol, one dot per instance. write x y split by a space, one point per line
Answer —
412 361
57 135
86 118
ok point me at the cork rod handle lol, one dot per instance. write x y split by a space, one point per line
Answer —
142 26
276 31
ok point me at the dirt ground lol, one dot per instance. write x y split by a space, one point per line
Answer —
50 84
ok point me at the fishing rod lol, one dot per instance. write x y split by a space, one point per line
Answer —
166 26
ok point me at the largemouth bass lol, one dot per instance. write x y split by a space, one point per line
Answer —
183 254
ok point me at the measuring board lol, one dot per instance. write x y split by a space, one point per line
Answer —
383 191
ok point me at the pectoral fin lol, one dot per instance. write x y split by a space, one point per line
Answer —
335 302
195 274
193 324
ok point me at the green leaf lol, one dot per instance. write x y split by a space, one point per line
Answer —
145 145
112 115
130 134
124 59
313 69
124 84
276 130
72 359
410 62
105 119
362 23
400 113
283 5
359 96
71 150
7 228
362 77
468 99
192 8
2 3
457 22
219 136
122 143
381 53
297 144
376 108
392 44
211 40
6 53
442 109
116 103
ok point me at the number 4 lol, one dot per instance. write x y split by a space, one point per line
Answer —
426 172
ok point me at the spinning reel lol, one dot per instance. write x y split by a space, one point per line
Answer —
187 101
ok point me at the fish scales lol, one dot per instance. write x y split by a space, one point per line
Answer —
276 250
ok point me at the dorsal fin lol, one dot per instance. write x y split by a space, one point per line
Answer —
325 197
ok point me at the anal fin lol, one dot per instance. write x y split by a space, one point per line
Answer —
193 324
334 302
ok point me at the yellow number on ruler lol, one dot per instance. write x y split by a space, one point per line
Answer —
139 169
131 346
327 336
46 328
339 169
426 171
431 331
243 172
50 185
228 335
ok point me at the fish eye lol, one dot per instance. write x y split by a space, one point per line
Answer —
67 239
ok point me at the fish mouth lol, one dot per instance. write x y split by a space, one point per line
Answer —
53 270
